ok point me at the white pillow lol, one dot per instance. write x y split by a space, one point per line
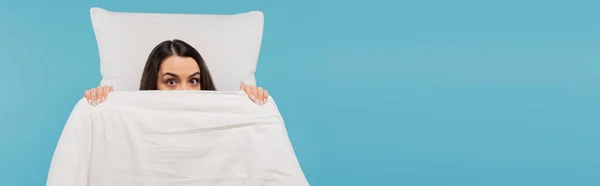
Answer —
229 44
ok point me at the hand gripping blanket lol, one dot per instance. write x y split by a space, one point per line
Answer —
175 138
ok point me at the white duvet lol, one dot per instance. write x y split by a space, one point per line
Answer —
175 138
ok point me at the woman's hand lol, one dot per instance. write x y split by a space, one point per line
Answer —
256 94
97 95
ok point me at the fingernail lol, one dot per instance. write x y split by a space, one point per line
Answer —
252 97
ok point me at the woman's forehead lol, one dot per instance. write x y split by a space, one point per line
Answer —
179 65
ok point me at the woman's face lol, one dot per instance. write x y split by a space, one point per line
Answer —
178 73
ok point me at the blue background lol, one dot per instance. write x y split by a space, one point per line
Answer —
419 93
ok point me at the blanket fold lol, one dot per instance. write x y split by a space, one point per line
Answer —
179 138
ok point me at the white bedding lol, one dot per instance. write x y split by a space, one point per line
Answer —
175 138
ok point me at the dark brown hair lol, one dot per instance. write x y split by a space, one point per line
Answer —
169 48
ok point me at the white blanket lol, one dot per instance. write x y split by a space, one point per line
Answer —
175 138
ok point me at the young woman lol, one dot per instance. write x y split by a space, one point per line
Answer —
175 65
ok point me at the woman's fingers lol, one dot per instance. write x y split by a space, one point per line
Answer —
254 96
105 92
259 94
97 95
266 95
88 96
99 92
93 96
248 90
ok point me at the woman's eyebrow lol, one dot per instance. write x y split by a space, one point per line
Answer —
171 74
194 74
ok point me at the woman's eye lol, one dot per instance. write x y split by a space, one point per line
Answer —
171 82
194 81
